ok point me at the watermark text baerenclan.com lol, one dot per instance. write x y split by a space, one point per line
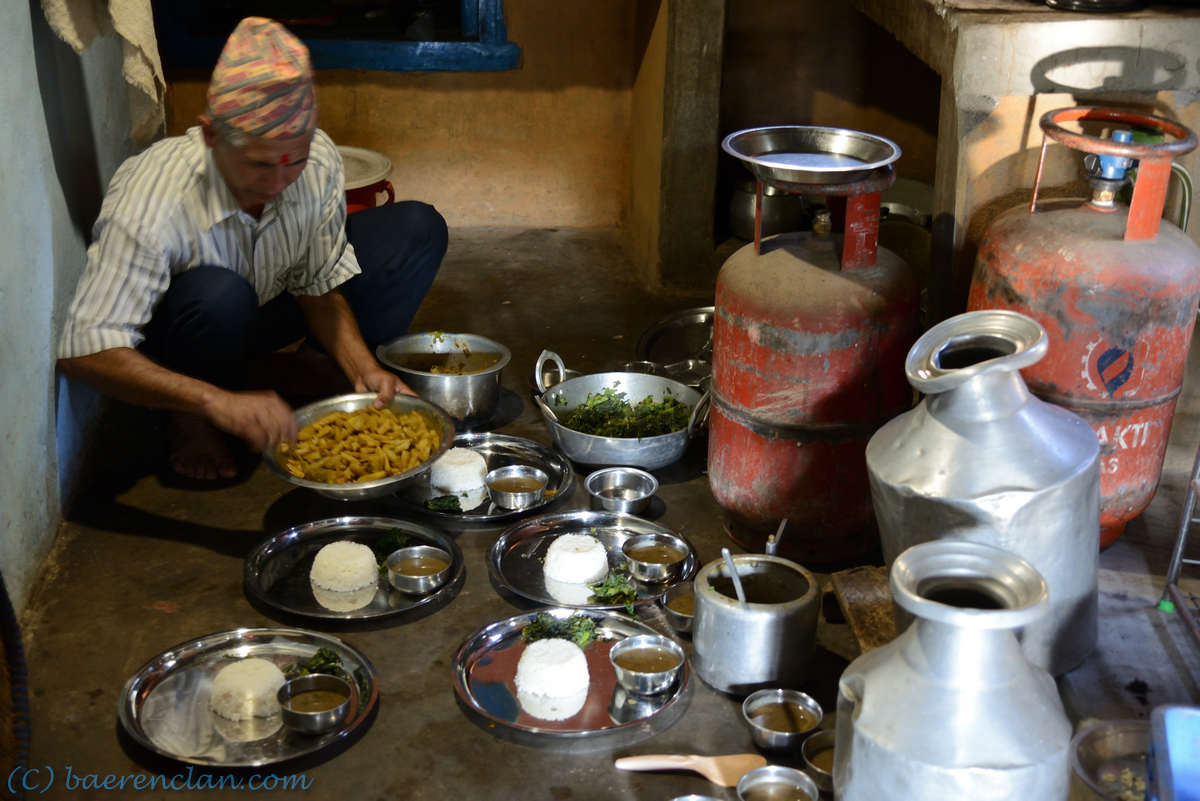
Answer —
42 779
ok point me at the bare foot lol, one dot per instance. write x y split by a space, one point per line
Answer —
198 450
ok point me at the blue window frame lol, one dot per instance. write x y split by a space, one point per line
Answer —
468 35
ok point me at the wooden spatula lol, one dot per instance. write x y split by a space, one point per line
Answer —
723 770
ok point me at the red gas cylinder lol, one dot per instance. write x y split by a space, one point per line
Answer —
810 335
1116 289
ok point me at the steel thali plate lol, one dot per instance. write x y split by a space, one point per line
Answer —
276 573
498 450
516 559
486 666
164 706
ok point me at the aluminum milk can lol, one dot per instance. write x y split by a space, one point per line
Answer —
769 640
952 710
981 458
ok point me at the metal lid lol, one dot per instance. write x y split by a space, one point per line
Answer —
364 167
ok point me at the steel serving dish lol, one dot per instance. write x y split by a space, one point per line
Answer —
515 559
467 397
648 453
498 450
164 706
401 404
486 665
810 154
276 573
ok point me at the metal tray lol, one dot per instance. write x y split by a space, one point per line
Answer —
486 664
164 706
681 345
498 450
276 572
515 559
810 154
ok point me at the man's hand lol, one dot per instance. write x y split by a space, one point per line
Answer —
261 418
382 382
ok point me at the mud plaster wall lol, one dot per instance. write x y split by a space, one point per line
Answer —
63 133
547 144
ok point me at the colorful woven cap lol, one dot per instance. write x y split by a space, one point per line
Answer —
262 84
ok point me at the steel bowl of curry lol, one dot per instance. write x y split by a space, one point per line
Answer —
350 451
460 373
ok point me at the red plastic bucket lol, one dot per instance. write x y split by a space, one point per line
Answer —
367 181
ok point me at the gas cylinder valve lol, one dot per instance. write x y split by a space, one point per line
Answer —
1107 174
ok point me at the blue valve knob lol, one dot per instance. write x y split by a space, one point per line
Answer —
1113 168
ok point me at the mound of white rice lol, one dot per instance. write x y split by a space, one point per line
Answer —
343 566
567 594
246 689
458 471
576 559
343 601
552 679
547 708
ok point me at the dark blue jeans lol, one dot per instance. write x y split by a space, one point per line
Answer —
209 325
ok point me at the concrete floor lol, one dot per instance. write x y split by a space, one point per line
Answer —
146 564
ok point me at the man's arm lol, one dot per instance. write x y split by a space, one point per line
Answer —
331 321
260 418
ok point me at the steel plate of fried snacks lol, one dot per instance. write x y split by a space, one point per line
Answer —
363 445
365 487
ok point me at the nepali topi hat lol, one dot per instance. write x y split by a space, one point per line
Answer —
262 85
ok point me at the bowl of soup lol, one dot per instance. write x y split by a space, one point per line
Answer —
647 664
656 557
781 719
314 703
459 373
418 569
679 607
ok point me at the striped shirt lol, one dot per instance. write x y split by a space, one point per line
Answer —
168 210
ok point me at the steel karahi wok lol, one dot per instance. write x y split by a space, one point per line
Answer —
558 401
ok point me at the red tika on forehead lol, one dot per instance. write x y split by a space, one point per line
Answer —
262 84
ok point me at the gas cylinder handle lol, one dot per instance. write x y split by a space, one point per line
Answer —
1154 158
1186 140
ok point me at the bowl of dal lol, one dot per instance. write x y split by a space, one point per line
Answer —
314 703
350 451
460 373
418 569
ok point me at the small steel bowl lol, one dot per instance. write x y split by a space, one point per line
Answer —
654 572
815 744
774 739
679 621
777 775
647 683
413 584
313 722
507 499
621 489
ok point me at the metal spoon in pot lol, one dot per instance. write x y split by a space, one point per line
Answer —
733 574
773 541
